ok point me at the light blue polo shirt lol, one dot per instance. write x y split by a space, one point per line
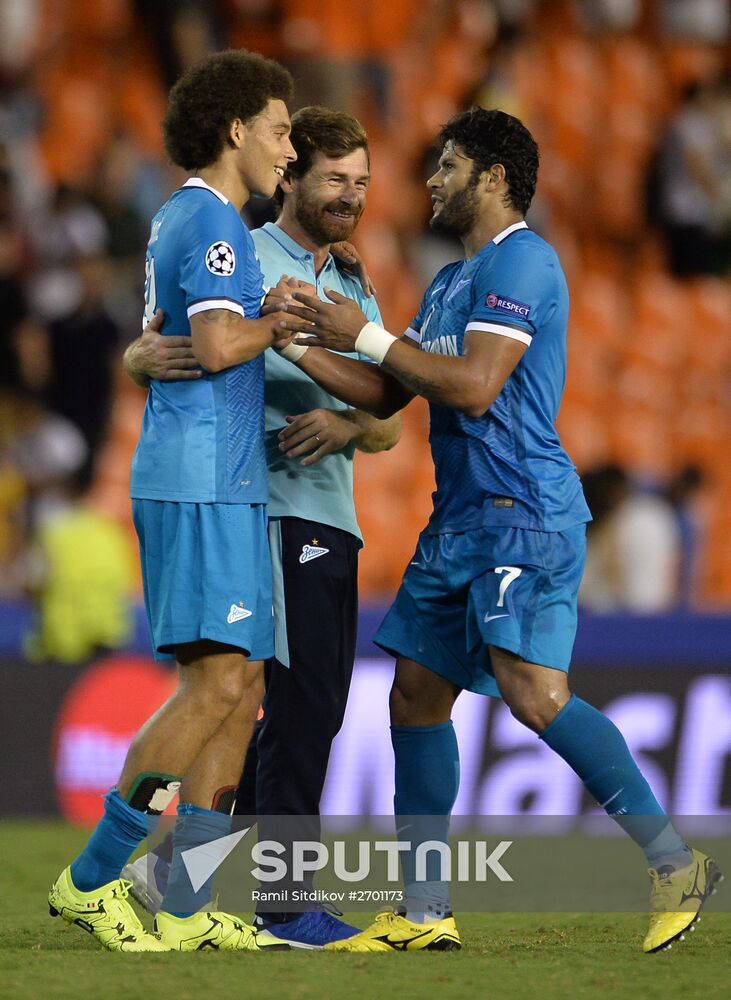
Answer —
322 492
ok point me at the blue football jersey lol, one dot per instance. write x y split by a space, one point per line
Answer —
506 467
202 441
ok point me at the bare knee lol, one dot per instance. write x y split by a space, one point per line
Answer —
219 682
534 694
405 708
241 683
221 693
534 709
419 697
253 681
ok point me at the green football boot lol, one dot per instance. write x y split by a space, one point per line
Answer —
676 898
391 931
105 913
213 930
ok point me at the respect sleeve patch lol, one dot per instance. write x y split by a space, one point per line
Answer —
508 305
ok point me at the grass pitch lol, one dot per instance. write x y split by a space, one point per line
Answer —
515 956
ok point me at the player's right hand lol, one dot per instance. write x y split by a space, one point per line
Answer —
167 358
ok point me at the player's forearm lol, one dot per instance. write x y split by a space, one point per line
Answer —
375 435
222 338
448 381
356 383
129 361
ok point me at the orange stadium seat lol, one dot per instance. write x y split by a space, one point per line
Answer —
582 425
573 89
709 339
99 21
716 552
662 319
141 101
110 492
634 75
641 441
393 500
77 111
688 61
617 190
349 28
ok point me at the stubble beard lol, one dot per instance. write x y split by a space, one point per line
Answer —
457 216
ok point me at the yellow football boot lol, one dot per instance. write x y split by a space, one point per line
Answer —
105 913
213 930
393 932
676 898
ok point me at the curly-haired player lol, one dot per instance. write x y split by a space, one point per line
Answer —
488 603
199 488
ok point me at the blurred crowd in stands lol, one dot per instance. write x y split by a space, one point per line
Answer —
630 101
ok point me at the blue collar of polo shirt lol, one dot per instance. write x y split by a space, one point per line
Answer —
293 248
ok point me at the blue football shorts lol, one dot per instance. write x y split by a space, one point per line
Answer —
507 587
207 575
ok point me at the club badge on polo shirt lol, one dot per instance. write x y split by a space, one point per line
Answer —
237 613
314 551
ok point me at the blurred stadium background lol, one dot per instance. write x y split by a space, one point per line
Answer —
630 101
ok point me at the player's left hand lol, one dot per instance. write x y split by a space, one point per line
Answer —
352 261
282 292
335 324
319 432
166 358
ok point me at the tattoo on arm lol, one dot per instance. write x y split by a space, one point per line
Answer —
418 384
220 317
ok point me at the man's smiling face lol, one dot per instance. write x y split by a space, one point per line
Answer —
329 200
266 151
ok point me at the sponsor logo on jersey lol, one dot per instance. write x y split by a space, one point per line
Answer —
507 305
237 612
221 259
442 345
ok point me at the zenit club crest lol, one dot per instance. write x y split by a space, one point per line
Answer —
314 551
237 612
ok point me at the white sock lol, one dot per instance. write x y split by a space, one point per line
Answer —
420 912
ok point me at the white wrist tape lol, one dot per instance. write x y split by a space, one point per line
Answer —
374 342
293 352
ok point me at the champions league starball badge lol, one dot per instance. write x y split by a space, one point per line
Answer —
221 259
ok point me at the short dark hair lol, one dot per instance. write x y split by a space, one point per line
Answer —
210 95
490 137
320 130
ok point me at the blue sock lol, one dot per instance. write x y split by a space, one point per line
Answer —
427 782
595 749
118 833
194 827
